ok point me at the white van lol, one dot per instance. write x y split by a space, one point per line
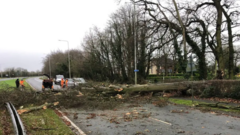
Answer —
58 79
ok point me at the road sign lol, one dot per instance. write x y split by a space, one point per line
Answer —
136 70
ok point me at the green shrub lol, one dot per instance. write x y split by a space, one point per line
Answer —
209 92
179 74
152 76
235 93
187 75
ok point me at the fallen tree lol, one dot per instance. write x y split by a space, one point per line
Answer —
44 106
133 89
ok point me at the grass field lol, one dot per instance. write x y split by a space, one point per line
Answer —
10 85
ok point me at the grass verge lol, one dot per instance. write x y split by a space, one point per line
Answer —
182 101
6 126
190 103
45 122
1 126
10 85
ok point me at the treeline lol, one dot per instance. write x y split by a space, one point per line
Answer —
19 72
57 63
166 29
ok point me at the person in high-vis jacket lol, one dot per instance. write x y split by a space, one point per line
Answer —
66 83
62 83
22 83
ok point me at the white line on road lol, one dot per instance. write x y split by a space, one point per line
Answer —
161 121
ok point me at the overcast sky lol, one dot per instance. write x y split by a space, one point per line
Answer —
30 29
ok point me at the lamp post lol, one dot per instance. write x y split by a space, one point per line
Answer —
49 66
135 43
191 62
68 58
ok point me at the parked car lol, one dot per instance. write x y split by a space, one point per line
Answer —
70 82
78 81
58 79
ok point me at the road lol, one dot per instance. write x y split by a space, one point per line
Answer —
36 84
147 119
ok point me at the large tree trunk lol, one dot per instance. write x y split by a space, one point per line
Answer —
230 43
142 61
113 90
183 34
201 56
148 64
219 50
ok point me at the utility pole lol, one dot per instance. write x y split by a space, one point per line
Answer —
191 61
68 58
135 43
49 67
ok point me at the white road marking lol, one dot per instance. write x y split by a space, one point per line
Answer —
161 121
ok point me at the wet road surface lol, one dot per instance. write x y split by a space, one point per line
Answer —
36 84
147 119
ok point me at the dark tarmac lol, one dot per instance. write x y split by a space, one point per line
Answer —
147 119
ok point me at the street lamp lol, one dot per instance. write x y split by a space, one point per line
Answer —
68 57
49 66
135 43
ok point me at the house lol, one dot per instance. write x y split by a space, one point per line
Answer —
157 66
